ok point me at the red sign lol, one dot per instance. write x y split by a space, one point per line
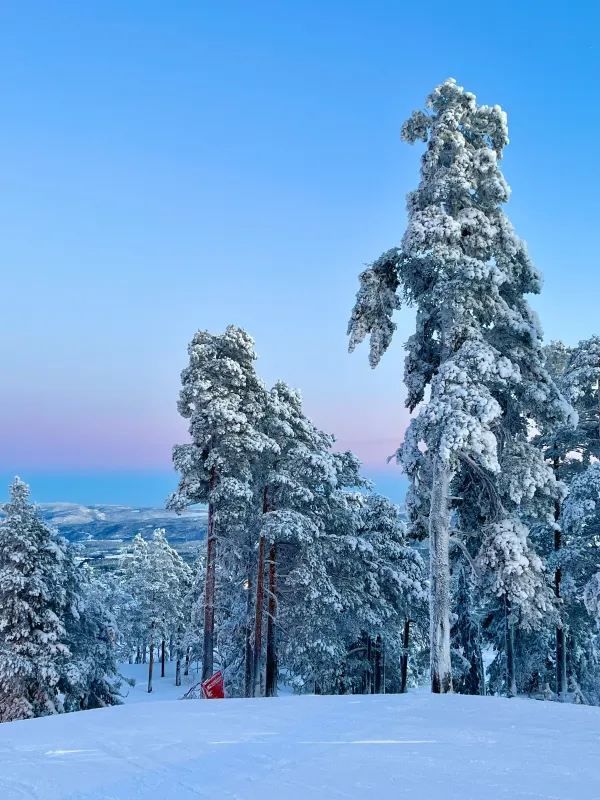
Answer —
213 688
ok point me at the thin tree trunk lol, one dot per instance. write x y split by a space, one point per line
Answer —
378 665
162 659
150 666
248 637
561 648
404 656
272 667
258 615
144 654
439 574
171 648
138 655
186 671
209 590
259 603
511 684
178 668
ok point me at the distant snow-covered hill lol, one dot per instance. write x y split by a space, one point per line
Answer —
104 530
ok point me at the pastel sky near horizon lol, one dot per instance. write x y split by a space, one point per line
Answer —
173 166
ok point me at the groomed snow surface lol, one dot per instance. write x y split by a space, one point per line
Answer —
414 746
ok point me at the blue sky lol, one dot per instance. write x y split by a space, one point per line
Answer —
173 166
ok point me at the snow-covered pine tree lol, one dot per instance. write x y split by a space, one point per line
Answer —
467 273
89 674
580 525
32 601
223 400
468 674
570 450
162 596
134 570
394 586
289 472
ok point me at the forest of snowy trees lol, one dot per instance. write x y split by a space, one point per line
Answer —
487 582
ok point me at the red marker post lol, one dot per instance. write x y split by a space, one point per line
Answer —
213 688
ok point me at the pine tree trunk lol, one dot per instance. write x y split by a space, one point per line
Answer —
171 648
186 671
561 649
404 656
258 615
138 655
248 637
178 668
150 666
144 654
511 684
378 665
162 660
259 603
439 574
209 590
271 666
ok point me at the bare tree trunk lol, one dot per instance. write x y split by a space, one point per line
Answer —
366 681
439 574
511 683
162 660
150 666
378 665
404 656
209 590
259 603
258 615
272 667
248 637
561 648
178 668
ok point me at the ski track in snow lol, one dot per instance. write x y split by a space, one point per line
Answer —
414 746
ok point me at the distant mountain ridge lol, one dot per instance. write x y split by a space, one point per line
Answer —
104 530
79 523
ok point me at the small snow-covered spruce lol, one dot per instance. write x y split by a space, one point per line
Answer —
89 675
223 400
158 581
32 602
462 266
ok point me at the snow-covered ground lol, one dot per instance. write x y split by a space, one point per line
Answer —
414 746
162 688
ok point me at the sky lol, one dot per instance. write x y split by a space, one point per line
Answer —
166 167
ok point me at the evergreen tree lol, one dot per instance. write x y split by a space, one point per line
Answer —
570 450
477 344
32 602
89 675
468 674
223 400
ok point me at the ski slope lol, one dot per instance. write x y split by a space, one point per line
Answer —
415 746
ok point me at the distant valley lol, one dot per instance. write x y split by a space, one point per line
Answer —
103 531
